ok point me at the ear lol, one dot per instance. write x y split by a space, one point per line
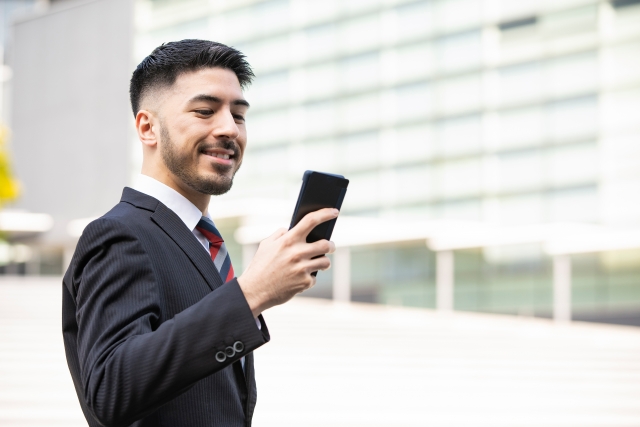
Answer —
147 128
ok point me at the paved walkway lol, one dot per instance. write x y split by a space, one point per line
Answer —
365 365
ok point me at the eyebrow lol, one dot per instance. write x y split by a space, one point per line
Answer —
210 98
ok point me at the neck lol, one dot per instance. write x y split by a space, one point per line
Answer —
200 200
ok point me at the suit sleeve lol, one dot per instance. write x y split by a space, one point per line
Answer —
130 362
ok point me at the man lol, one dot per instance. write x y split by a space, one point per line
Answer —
157 329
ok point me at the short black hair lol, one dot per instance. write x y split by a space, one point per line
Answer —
169 60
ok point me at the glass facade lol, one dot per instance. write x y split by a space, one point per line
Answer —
497 111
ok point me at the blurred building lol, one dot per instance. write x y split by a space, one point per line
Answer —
498 112
495 111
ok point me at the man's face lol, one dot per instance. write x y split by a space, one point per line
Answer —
202 129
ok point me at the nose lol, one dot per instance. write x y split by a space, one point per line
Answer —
225 125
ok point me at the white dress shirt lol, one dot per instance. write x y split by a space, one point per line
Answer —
180 205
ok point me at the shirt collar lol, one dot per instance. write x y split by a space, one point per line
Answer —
180 205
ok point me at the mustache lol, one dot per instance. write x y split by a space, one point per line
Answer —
224 144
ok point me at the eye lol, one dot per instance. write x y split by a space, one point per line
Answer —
238 118
204 112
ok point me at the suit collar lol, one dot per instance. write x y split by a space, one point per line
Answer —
180 205
168 221
171 224
138 199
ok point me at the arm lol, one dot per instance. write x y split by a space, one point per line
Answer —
130 363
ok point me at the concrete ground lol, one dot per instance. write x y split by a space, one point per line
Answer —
365 365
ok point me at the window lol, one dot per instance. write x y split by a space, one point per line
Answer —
305 11
458 178
414 62
359 112
270 16
415 20
573 165
358 72
458 51
360 33
514 11
360 151
410 144
458 94
518 23
360 6
571 21
413 102
459 135
314 82
572 74
573 205
528 209
520 128
620 4
269 89
520 83
573 119
520 171
268 127
319 42
364 191
318 118
321 155
468 210
268 54
412 184
453 14
261 163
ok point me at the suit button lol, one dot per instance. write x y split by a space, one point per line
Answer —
238 346
221 357
230 352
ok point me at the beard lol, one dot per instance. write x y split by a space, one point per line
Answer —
182 165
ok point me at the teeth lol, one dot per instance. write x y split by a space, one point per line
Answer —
221 156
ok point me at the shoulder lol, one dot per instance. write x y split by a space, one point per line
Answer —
123 219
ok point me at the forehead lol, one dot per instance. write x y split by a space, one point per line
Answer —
219 82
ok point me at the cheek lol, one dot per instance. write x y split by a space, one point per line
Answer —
242 144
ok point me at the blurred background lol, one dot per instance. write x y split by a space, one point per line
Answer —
492 148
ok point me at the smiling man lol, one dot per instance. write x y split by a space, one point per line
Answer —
158 330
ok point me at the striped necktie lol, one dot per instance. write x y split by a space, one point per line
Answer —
217 248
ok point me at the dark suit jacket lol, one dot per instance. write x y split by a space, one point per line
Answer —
144 314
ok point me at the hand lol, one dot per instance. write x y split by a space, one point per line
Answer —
282 266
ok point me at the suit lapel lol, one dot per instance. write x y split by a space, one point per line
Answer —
171 224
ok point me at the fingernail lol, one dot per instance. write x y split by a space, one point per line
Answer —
336 212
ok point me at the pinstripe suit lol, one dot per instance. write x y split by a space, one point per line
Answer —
144 312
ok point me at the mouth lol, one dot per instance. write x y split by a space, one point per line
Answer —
220 156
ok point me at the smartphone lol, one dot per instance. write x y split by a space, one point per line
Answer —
319 190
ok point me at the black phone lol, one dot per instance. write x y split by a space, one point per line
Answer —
319 190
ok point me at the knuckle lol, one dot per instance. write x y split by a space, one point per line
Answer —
287 241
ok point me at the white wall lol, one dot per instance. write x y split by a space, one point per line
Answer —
70 110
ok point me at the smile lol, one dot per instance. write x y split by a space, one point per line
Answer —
224 157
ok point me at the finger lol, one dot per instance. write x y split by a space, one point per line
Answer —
321 247
311 220
277 234
321 263
308 285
